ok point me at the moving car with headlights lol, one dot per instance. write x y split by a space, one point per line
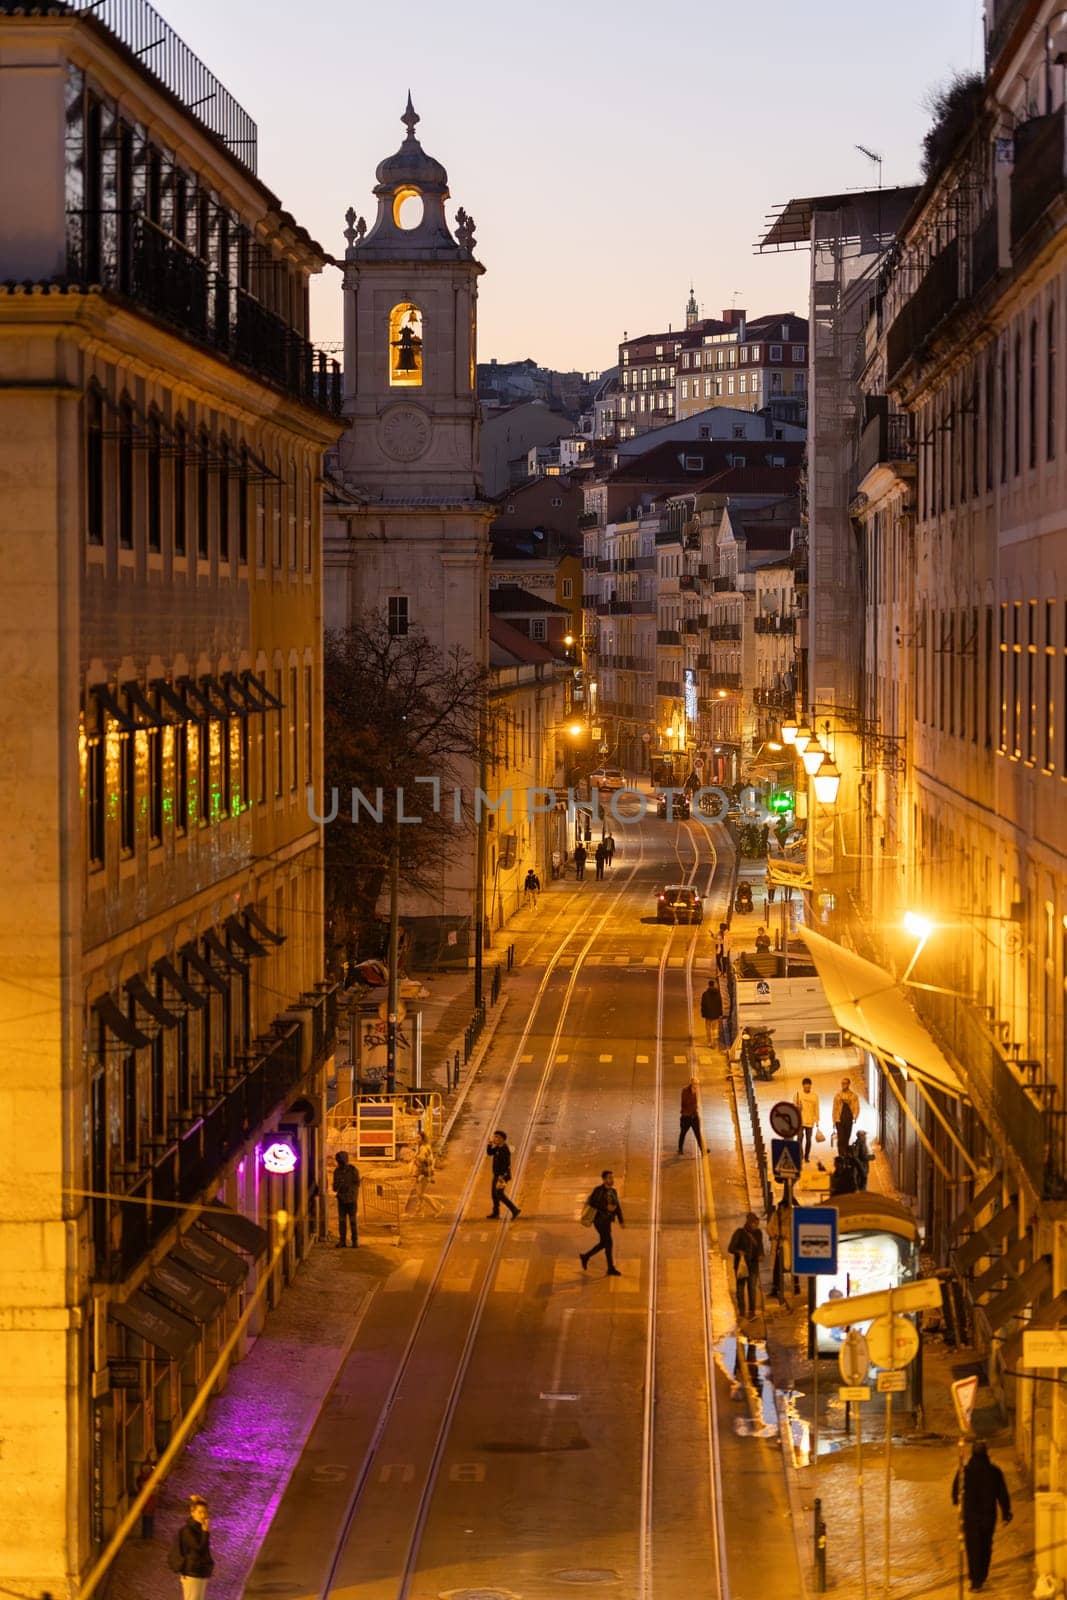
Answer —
607 779
675 806
679 902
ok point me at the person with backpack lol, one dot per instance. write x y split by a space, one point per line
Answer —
345 1185
711 1011
190 1556
531 889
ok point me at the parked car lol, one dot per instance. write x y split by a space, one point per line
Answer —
678 808
607 779
679 902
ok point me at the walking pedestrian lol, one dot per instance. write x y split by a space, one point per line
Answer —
711 1011
423 1166
807 1103
345 1185
557 864
531 888
600 855
846 1110
861 1158
605 1202
609 847
984 1490
579 862
148 1510
191 1556
746 1248
497 1148
690 1116
722 949
772 889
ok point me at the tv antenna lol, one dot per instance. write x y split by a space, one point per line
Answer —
873 157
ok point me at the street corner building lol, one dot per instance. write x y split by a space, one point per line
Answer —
163 420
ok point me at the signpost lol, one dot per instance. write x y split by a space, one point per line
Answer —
785 1159
815 1252
893 1342
785 1119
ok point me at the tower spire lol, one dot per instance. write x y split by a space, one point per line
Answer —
410 117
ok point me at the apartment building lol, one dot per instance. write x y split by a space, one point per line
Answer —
744 364
163 419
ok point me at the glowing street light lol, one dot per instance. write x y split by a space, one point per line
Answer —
789 732
826 782
920 928
803 738
813 757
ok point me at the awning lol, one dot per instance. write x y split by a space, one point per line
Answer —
232 706
141 706
109 704
238 690
871 1006
254 920
173 699
214 946
1053 1314
983 1242
243 939
1015 1259
117 1022
182 988
203 1253
985 1196
241 1231
258 687
153 1322
1035 1281
192 1294
206 707
203 968
141 995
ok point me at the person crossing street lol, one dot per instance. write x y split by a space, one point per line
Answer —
498 1150
605 1203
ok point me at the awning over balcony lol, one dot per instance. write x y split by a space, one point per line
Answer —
871 1006
244 940
231 1225
1020 1292
215 947
203 969
141 995
184 990
984 1242
254 920
193 1295
154 1323
203 1253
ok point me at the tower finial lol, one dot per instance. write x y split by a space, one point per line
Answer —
410 117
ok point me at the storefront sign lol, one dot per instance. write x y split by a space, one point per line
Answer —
279 1157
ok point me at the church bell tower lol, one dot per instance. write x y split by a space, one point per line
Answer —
407 530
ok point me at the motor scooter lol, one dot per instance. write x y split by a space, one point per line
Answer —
762 1057
743 898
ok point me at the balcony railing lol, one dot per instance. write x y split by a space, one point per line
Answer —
724 584
724 680
775 624
985 250
774 699
1038 175
1001 17
162 276
724 630
644 563
167 57
936 296
668 636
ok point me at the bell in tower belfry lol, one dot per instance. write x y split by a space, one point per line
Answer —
407 348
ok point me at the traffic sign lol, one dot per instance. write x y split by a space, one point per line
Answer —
893 1341
964 1394
892 1381
785 1159
785 1119
921 1294
815 1243
854 1391
853 1358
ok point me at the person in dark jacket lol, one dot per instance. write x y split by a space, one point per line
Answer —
690 1116
711 1011
194 1548
151 1505
843 1177
605 1202
746 1248
600 855
345 1185
497 1148
861 1158
984 1490
579 863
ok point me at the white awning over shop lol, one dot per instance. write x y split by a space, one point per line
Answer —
871 1006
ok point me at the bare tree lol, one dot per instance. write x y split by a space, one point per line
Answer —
396 709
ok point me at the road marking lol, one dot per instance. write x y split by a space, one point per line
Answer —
676 961
404 1277
622 961
605 1058
642 1061
544 1396
459 1275
511 1276
526 1058
650 961
467 1472
680 1061
557 1373
592 961
562 1059
405 1469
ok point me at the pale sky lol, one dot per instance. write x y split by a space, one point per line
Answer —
609 152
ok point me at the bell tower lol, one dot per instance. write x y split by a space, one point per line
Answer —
406 530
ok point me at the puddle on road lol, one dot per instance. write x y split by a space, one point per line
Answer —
745 1364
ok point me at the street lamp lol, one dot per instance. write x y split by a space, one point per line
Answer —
801 739
826 782
790 730
813 757
920 929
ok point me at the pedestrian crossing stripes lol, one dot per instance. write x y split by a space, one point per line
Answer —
511 1276
605 1058
404 1277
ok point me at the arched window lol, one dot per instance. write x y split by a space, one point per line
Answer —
405 346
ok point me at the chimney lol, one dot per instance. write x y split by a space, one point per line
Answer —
733 315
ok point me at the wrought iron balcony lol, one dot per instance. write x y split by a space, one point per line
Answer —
128 255
725 630
724 584
936 296
985 250
1038 175
775 624
724 680
774 699
668 636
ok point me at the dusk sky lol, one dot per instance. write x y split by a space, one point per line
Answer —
608 153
